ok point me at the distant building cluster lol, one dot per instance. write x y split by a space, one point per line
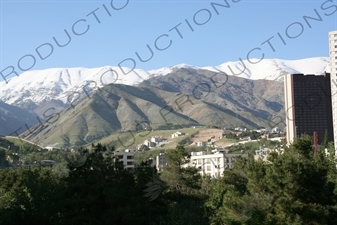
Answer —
261 130
154 141
263 153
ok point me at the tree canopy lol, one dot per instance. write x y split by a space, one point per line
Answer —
296 187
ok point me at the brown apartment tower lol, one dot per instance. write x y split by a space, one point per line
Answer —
308 106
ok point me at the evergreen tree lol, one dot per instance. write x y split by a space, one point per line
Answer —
295 187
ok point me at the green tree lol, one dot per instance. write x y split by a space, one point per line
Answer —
183 195
29 196
179 178
101 191
295 187
3 159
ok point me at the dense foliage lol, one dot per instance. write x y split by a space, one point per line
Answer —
250 147
296 187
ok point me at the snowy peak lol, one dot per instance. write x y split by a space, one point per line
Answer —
256 69
272 69
60 85
166 70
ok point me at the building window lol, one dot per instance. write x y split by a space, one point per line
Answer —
208 168
130 157
129 163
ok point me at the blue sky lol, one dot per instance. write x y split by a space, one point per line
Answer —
226 36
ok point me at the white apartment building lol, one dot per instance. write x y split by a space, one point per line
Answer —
213 164
209 164
333 76
149 144
127 157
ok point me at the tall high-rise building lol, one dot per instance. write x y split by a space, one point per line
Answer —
308 106
333 71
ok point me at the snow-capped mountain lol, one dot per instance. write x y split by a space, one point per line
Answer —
62 83
273 69
267 69
62 86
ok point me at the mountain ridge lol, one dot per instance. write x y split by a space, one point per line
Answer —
33 88
45 93
14 120
163 102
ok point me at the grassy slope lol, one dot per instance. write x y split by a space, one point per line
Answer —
132 140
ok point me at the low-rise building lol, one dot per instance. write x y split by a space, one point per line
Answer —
142 147
177 134
261 130
214 164
149 144
50 148
240 128
157 139
247 138
127 158
219 149
275 130
201 144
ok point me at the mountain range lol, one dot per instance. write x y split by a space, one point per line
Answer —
184 98
58 87
88 109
